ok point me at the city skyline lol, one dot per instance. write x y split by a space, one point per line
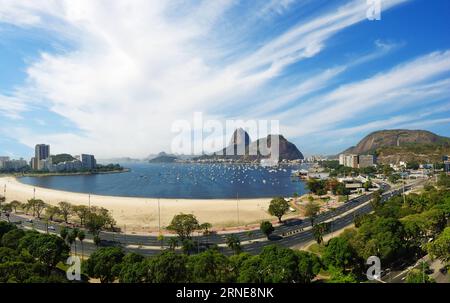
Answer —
75 78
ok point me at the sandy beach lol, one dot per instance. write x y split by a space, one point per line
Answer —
141 214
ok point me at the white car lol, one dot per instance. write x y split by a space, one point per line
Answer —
52 228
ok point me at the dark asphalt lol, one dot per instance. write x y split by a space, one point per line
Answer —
279 237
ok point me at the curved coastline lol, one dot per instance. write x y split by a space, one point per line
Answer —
87 173
141 214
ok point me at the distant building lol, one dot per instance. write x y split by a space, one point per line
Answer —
88 161
446 164
366 161
41 152
351 161
342 159
2 161
356 161
15 165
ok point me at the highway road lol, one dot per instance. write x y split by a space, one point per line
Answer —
292 233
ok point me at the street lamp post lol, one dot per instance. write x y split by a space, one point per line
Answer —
237 207
159 216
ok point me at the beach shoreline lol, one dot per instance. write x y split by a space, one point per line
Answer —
141 214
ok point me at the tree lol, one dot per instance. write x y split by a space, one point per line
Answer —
234 243
319 230
332 184
309 266
278 207
51 212
418 276
132 269
267 228
64 232
311 211
37 206
338 253
95 223
376 200
97 240
11 239
81 237
82 212
65 210
15 205
7 208
444 180
184 225
440 247
188 245
104 264
341 190
338 276
5 227
73 236
209 267
316 186
48 249
382 237
168 267
173 243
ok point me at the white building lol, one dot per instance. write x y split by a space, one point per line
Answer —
2 161
13 165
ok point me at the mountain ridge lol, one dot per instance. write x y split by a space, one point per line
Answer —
395 145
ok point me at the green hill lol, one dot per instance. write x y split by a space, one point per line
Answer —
392 146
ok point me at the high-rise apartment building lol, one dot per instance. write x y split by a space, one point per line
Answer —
88 161
41 152
356 161
366 161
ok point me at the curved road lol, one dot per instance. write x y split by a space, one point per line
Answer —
290 234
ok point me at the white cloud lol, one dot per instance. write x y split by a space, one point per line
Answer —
11 107
396 89
140 65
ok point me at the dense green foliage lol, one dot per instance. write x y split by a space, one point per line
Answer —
399 230
28 256
278 207
274 264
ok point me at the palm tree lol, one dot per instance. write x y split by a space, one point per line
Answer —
234 244
81 237
173 243
319 230
161 239
64 232
73 238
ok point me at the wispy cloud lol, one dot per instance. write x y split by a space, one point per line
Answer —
407 84
11 107
137 66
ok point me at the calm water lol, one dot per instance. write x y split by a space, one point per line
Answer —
200 181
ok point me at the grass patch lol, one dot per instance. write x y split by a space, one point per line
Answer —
316 249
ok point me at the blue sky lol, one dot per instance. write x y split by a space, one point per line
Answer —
111 78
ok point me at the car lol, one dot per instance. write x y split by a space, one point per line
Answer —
29 221
52 228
